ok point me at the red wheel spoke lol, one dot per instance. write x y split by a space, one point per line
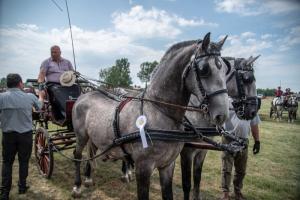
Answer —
46 164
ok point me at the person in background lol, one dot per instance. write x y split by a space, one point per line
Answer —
240 128
278 92
16 124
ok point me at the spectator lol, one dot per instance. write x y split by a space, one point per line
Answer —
16 123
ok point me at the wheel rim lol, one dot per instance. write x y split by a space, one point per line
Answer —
43 153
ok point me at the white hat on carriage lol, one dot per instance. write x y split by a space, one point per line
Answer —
67 78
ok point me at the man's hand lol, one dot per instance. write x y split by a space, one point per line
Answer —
256 147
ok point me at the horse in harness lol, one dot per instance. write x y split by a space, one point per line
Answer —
241 87
292 107
96 117
277 108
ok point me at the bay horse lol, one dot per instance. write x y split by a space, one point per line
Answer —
240 85
204 76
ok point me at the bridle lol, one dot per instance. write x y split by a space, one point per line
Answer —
194 66
241 101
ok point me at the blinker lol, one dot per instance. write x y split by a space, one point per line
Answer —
218 63
248 77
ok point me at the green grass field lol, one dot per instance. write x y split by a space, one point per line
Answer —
273 174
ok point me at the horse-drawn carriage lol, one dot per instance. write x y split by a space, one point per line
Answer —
56 110
197 67
284 104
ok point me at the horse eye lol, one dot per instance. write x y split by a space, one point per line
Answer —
218 63
204 70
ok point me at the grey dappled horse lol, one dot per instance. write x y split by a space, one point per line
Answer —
194 158
93 113
277 108
292 107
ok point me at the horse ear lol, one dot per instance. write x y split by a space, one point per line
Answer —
221 43
251 59
205 42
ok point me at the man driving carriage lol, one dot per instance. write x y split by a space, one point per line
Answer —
278 92
57 75
286 96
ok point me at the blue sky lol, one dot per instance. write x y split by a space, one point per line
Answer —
141 31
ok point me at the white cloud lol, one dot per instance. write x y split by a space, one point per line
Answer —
291 39
273 65
236 6
245 45
141 23
28 26
257 7
266 36
23 50
273 69
247 34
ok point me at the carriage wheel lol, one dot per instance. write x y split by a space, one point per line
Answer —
43 152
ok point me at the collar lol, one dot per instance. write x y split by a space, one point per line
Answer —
14 89
60 59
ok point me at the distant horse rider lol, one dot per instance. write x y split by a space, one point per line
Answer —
278 92
286 96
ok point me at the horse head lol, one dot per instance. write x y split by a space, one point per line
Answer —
241 86
205 77
292 101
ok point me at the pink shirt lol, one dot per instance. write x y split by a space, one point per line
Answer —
55 69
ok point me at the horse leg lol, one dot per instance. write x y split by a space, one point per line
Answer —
166 178
130 168
198 164
186 168
143 173
92 149
88 173
125 170
78 155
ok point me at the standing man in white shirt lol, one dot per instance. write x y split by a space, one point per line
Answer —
16 124
240 128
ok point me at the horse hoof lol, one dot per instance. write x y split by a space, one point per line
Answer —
88 182
76 192
125 179
130 178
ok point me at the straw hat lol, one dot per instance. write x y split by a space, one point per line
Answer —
67 78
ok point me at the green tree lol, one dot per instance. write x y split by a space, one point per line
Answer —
3 82
266 92
146 70
117 75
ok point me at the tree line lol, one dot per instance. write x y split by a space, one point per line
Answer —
266 92
118 75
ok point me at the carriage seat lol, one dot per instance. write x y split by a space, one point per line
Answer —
61 99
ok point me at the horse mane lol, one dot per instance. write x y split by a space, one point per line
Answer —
169 53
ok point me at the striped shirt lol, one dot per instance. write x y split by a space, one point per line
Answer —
16 110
